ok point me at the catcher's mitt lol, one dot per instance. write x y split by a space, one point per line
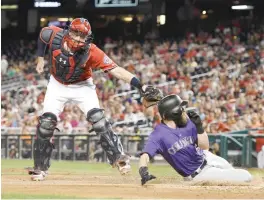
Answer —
123 164
151 96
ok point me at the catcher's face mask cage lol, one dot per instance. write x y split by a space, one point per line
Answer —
79 34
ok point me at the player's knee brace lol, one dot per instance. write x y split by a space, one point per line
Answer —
109 140
42 146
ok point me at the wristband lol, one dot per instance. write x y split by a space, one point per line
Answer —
136 83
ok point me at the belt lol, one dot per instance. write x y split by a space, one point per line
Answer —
86 82
199 169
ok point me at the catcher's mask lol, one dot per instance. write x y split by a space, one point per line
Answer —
172 108
78 35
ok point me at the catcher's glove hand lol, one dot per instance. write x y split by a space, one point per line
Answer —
195 118
151 95
123 164
145 176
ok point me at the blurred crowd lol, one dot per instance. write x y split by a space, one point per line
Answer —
222 74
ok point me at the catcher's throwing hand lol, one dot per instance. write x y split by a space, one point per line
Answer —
145 176
40 66
151 95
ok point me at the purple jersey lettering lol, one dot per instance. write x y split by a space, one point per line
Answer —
177 146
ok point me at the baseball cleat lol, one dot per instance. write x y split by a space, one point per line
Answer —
37 175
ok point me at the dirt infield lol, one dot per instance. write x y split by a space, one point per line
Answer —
105 186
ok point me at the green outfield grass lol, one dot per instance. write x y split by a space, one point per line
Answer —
79 167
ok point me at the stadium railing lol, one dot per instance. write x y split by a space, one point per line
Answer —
240 145
13 83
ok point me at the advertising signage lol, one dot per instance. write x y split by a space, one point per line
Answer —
115 3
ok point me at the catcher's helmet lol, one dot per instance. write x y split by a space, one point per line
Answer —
171 106
79 34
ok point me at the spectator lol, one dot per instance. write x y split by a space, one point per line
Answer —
65 125
255 121
4 64
221 76
261 158
130 115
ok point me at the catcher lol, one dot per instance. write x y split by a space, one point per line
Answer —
72 57
181 140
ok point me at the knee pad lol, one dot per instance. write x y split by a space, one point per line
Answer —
47 125
97 118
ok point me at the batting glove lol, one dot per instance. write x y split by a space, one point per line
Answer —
145 176
195 118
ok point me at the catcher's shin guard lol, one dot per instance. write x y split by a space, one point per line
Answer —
109 140
42 153
43 146
112 145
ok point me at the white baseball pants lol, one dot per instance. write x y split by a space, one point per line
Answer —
82 94
218 169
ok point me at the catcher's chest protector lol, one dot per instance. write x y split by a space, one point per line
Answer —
66 67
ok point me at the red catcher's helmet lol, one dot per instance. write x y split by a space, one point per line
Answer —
78 35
